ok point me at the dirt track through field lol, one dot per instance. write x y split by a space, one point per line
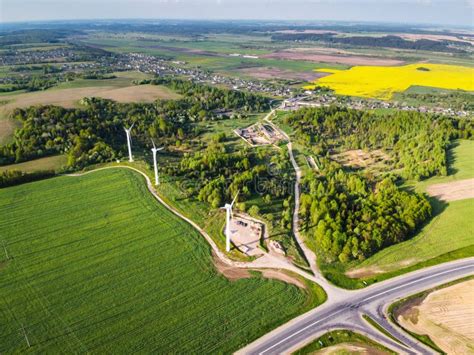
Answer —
452 191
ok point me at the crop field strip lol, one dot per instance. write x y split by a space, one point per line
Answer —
136 279
382 82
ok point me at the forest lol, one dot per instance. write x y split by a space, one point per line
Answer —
416 142
350 214
351 217
222 173
94 133
371 41
217 173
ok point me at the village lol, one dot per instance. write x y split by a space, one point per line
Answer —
72 62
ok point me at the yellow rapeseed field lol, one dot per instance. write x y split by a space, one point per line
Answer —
382 82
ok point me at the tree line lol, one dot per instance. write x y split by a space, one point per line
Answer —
371 41
94 133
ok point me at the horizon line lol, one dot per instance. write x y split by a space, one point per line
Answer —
418 24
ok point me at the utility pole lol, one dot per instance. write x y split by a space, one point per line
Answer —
23 330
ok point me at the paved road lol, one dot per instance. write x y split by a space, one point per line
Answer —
346 313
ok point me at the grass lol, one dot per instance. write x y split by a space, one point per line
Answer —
336 273
48 163
341 337
97 265
448 231
7 128
381 329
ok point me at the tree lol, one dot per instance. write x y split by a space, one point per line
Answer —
254 211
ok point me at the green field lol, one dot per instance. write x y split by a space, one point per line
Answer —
460 165
449 230
97 265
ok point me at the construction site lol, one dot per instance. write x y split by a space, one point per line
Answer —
259 134
246 233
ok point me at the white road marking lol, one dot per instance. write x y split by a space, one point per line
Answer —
376 295
301 330
419 280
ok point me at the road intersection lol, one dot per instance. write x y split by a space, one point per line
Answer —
346 311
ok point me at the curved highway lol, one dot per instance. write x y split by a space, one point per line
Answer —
346 313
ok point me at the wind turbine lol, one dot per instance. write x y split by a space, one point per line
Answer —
154 150
129 142
229 215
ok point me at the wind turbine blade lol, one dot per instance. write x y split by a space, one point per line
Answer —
152 141
160 149
235 198
133 124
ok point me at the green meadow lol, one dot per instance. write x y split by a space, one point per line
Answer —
97 265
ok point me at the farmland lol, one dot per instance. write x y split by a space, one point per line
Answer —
383 82
136 279
69 94
444 316
54 162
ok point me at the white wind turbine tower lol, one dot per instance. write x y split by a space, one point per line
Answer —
155 150
129 142
229 215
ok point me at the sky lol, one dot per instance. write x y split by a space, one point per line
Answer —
444 12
